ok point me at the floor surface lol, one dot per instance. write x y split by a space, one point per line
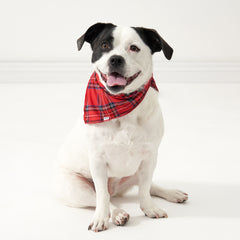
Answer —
200 154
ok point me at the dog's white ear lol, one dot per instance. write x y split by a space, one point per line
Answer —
154 41
91 34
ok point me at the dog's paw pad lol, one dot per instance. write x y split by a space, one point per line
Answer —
120 217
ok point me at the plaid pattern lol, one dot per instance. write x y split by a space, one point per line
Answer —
101 106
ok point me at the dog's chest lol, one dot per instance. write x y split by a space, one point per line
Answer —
124 142
126 148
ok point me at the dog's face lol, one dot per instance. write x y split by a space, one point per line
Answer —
122 56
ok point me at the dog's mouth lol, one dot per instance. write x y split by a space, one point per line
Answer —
116 81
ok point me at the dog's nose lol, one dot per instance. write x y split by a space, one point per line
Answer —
116 61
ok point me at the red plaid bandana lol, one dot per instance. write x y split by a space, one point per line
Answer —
101 106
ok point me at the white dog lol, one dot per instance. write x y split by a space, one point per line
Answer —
117 146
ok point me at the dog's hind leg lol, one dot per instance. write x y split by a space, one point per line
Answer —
170 195
73 189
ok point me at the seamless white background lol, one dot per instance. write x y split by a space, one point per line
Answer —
42 83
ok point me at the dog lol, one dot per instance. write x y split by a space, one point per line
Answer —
117 146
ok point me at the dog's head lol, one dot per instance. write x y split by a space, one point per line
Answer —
122 56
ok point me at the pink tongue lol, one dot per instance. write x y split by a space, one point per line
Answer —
116 80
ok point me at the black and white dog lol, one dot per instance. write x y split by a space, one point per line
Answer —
106 157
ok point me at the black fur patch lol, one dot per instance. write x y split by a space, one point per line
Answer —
96 35
155 42
105 36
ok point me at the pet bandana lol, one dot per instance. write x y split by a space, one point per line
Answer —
101 106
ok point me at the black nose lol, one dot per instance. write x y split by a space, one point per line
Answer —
116 61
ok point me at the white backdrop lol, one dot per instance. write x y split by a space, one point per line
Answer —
200 150
47 30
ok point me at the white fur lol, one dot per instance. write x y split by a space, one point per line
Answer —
123 147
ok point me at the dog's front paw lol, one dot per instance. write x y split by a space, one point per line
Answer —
100 222
119 217
152 211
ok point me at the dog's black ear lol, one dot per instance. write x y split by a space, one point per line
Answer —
92 33
154 41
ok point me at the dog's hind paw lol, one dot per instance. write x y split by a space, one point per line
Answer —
155 213
119 217
176 196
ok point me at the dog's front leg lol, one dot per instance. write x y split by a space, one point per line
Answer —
147 205
99 174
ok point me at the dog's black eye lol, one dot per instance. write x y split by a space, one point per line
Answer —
105 45
134 48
